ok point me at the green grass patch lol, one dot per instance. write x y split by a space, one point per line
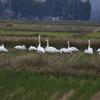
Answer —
94 35
54 34
26 85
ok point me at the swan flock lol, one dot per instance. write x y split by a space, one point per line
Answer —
50 49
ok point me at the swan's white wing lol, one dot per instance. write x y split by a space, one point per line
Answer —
32 48
40 49
51 49
20 47
54 50
17 47
62 50
69 50
89 51
74 48
85 51
3 49
98 50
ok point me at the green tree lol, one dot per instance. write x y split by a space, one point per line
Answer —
85 10
53 8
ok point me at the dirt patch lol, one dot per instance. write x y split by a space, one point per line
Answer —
96 30
67 95
95 96
53 96
80 97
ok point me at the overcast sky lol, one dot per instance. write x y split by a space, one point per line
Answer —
95 4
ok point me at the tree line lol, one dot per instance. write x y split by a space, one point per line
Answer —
50 9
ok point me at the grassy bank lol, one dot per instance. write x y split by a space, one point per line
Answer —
75 63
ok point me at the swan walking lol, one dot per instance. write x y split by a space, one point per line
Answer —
19 47
50 48
3 49
89 50
39 48
31 48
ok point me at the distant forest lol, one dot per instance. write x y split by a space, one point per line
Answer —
48 10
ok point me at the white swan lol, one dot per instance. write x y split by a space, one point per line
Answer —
31 48
2 48
19 47
50 48
73 49
98 50
89 50
39 48
66 50
62 50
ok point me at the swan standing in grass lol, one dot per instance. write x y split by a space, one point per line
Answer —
50 48
3 49
39 48
32 48
19 47
73 49
89 50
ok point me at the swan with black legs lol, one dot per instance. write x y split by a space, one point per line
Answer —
39 48
89 50
19 47
50 48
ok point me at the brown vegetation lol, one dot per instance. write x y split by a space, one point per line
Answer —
75 63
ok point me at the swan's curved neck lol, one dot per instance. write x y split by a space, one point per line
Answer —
89 44
68 44
39 41
47 43
2 45
24 46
